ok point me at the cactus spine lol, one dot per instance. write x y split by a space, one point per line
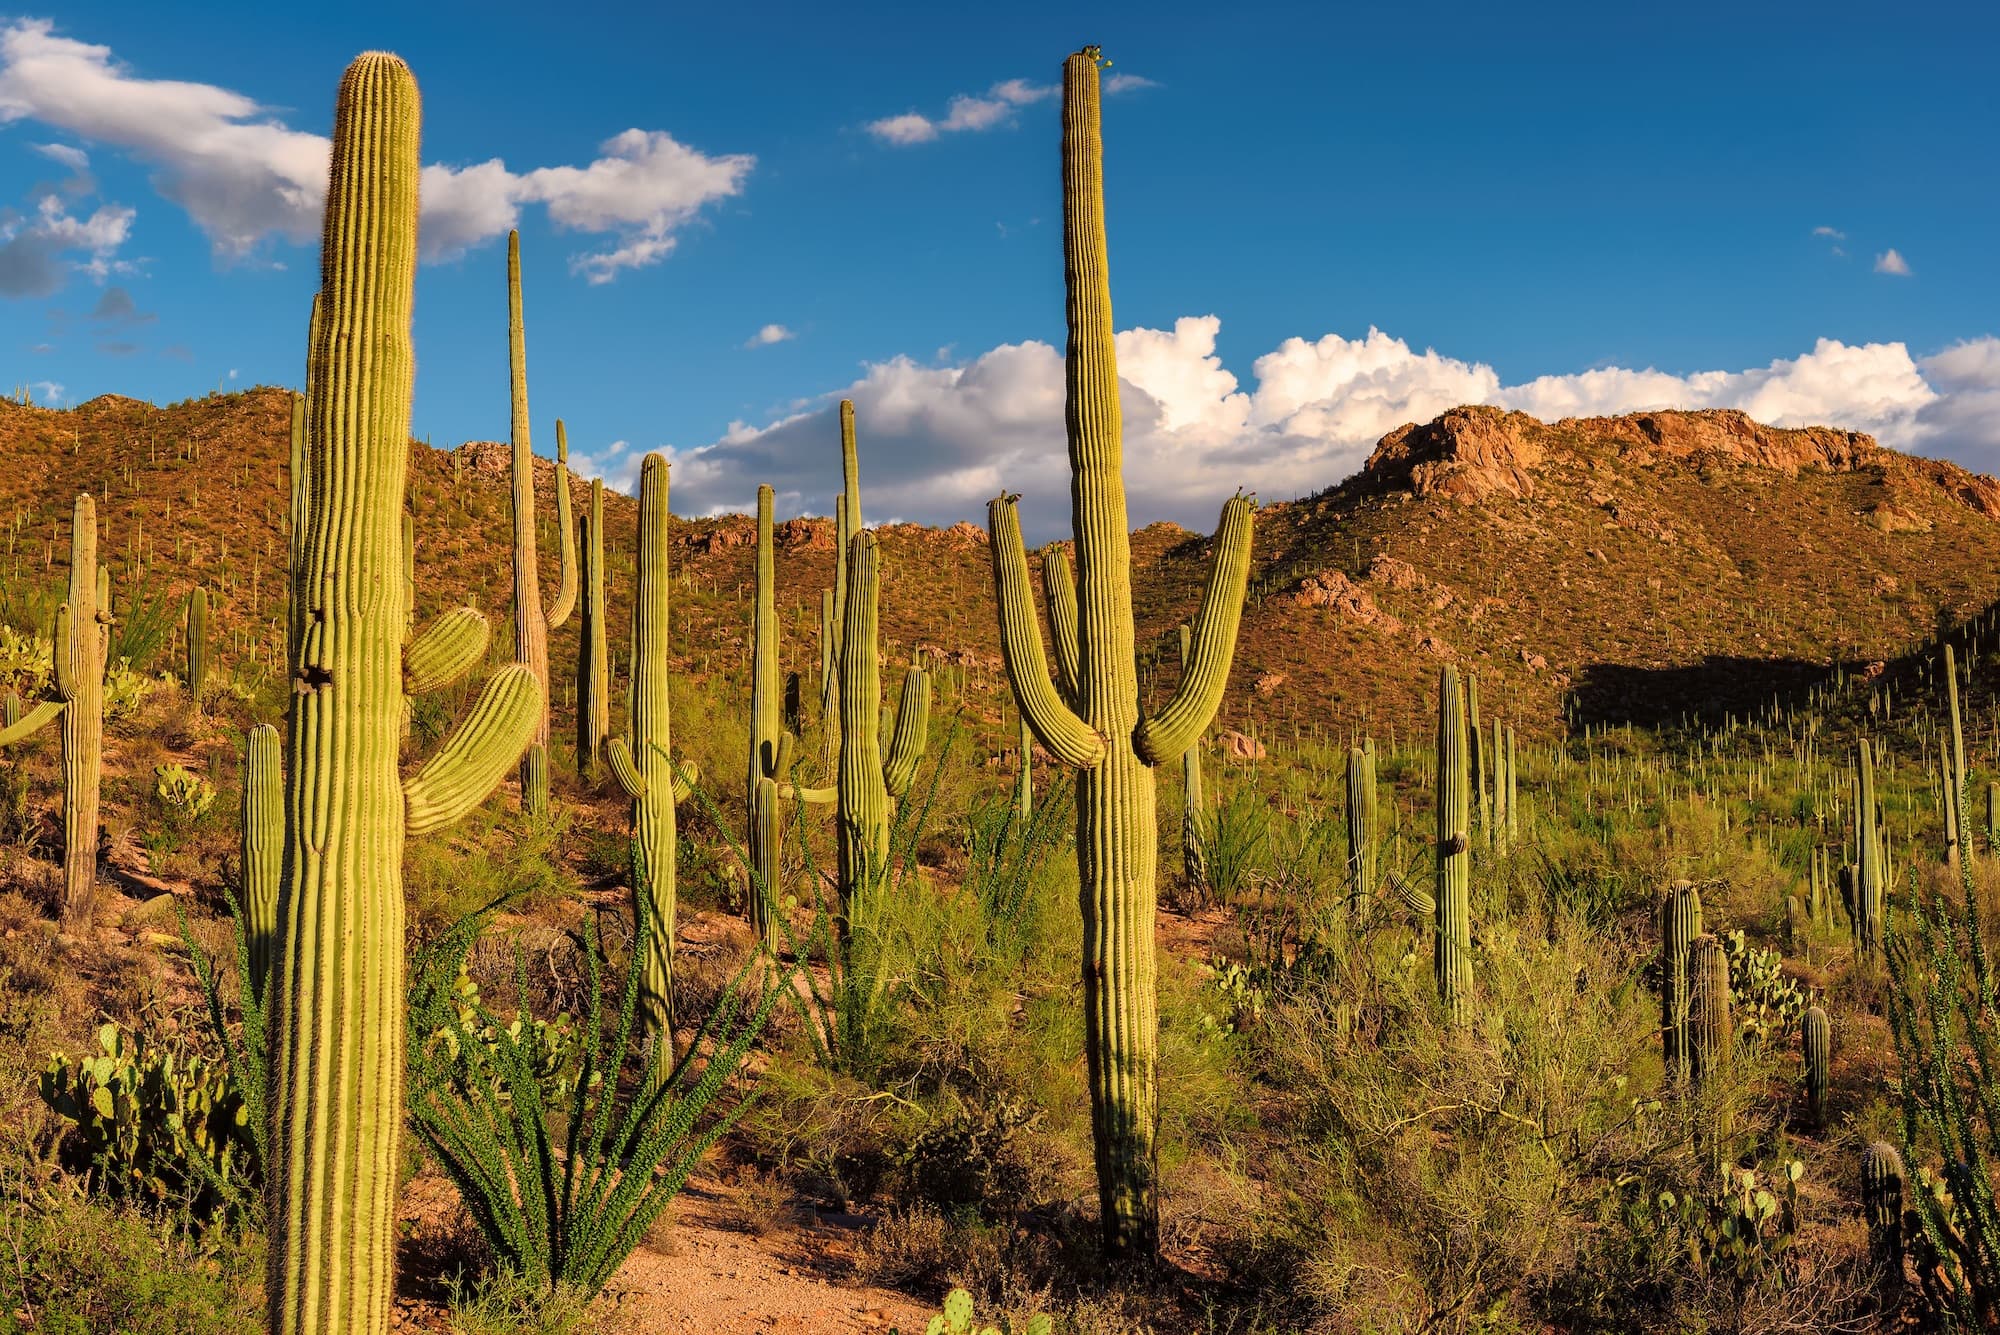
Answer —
197 643
533 622
1709 1029
1816 1043
82 642
1096 726
1452 943
1360 821
336 1026
643 763
1680 924
593 662
263 816
1194 806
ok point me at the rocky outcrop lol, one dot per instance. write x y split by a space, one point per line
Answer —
1468 454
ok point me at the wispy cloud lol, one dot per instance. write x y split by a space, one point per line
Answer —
974 112
769 334
1830 233
1890 262
48 391
246 177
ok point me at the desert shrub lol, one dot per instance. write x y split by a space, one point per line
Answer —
974 1157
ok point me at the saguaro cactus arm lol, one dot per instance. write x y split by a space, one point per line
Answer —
1170 732
908 742
444 651
31 722
566 585
1067 737
686 774
1061 590
473 758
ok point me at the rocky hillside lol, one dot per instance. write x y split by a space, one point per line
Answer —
1629 567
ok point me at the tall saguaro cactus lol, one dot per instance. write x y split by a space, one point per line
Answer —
1956 840
337 1019
533 622
766 713
593 660
1452 942
1680 924
1091 720
1194 802
643 762
870 779
83 640
197 642
1866 908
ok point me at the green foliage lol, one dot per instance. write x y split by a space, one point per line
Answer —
125 689
976 1157
956 1317
185 795
145 623
27 661
565 1173
1740 1229
1766 1002
1238 833
157 1126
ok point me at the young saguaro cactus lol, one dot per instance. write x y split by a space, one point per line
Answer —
1710 1033
1882 1203
1680 924
1866 909
644 766
1452 942
337 1020
197 642
263 817
1090 719
1360 821
1816 1045
533 621
82 642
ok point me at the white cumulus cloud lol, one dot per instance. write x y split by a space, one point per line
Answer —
938 441
246 177
769 334
1890 262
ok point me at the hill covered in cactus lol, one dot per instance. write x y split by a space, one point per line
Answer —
1611 569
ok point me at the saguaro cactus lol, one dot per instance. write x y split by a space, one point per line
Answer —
1194 805
1091 719
1882 1203
83 639
1866 910
593 659
765 729
1024 773
1452 942
643 762
533 622
1956 839
871 781
1710 1033
337 1023
197 642
1481 810
1680 924
1360 821
263 817
1816 1045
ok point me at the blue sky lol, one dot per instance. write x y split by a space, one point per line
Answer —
1792 211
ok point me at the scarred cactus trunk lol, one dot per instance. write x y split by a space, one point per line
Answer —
337 1020
1452 942
1090 718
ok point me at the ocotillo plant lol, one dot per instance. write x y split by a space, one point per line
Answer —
197 642
1360 821
1816 1045
1866 910
1091 719
870 781
532 621
1451 960
644 766
1194 805
593 659
82 642
337 1028
263 818
1680 924
1710 1033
